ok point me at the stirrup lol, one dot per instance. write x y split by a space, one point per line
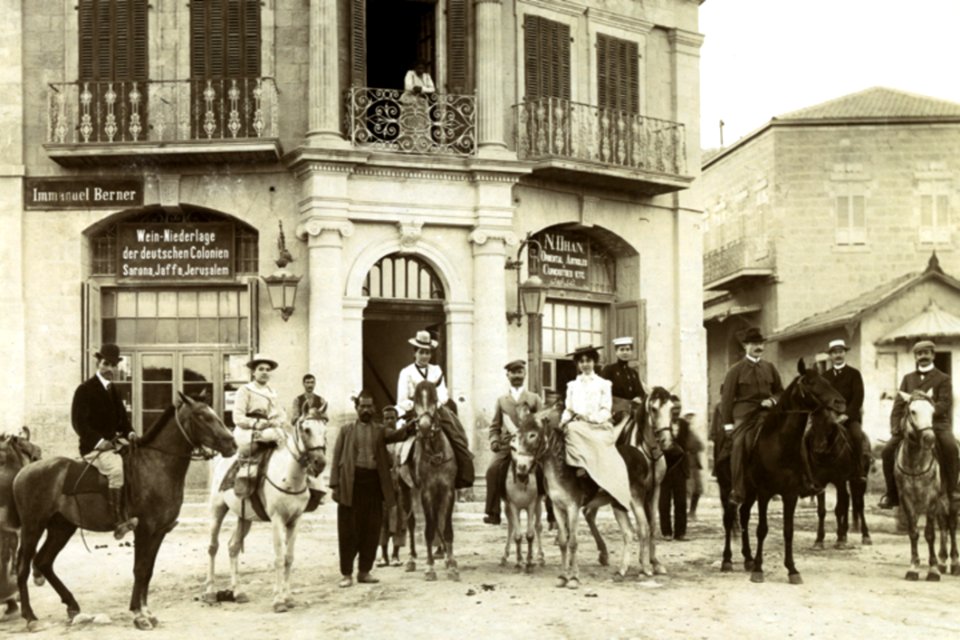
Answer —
123 528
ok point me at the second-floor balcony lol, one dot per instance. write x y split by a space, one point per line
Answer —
738 264
398 121
163 121
579 142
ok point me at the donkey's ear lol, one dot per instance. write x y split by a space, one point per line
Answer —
185 399
25 433
509 424
801 366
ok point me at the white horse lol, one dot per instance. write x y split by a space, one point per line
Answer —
284 496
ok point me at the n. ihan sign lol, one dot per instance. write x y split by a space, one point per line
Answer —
86 193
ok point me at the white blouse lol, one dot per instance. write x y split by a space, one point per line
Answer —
590 398
251 397
411 376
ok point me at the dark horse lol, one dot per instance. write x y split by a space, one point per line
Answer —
155 469
16 451
773 466
832 450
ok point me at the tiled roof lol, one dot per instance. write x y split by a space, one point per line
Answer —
876 102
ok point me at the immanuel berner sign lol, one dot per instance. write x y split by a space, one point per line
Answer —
86 193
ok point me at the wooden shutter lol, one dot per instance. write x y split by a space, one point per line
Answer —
358 43
630 319
546 58
253 325
112 40
457 46
618 74
225 39
92 329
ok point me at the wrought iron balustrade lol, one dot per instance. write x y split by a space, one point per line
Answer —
162 111
394 120
558 128
738 255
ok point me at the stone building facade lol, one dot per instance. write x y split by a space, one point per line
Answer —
826 209
573 122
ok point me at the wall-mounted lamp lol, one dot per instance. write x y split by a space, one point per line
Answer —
532 293
281 284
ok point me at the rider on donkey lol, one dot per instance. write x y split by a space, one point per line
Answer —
99 417
421 369
590 436
926 378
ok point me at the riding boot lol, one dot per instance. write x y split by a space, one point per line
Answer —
810 486
123 524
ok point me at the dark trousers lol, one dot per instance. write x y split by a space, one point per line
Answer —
947 446
673 492
496 485
358 526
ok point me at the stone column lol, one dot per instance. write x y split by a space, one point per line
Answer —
325 102
461 356
489 69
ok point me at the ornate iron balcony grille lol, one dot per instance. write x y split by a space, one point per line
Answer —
737 255
162 111
393 120
558 128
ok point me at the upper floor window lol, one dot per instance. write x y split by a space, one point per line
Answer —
934 218
224 39
113 40
618 74
851 220
546 58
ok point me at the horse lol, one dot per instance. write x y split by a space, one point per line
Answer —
436 470
570 493
835 458
922 493
155 468
283 494
773 466
651 422
522 495
16 451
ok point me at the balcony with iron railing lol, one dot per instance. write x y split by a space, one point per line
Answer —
163 121
578 142
738 264
397 121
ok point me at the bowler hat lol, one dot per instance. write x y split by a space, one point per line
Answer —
423 340
839 343
586 350
752 336
261 358
515 364
924 344
110 353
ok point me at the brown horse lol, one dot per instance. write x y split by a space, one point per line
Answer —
436 470
16 451
155 469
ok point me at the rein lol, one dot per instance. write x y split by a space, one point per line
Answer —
197 452
434 458
913 435
301 455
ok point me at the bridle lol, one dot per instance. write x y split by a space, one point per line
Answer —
435 458
197 451
913 435
302 455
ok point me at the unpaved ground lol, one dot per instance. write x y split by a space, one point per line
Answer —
856 593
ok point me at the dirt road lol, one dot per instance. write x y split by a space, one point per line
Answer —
855 593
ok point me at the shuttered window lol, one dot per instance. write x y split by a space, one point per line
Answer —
113 40
457 67
224 39
618 74
546 58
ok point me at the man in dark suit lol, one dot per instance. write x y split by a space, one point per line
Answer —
99 416
849 383
507 405
626 387
926 378
673 487
749 384
362 487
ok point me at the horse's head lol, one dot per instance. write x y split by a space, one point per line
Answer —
825 431
202 427
917 421
426 412
811 391
525 439
16 450
311 439
658 410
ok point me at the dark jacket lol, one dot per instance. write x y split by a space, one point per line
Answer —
345 458
942 397
849 383
98 414
313 402
624 379
746 385
507 406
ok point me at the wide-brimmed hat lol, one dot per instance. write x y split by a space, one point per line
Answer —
585 350
515 364
753 336
423 340
839 343
257 359
110 353
924 344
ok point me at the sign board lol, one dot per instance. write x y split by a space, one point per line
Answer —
82 193
175 251
563 260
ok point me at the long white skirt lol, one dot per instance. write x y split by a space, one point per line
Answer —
593 447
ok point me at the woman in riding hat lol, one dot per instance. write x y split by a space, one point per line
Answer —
258 416
590 436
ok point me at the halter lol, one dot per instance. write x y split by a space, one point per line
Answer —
914 435
300 452
435 459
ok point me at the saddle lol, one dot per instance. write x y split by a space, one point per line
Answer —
83 478
262 457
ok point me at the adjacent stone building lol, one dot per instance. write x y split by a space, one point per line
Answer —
153 149
821 225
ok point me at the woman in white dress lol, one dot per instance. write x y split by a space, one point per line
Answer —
590 436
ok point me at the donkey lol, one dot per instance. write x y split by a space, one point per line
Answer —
922 492
16 451
282 496
522 495
155 470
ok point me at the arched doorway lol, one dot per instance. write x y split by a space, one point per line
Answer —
405 296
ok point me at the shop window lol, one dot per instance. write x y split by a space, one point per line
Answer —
566 326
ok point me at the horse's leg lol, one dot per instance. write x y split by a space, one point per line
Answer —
910 515
505 560
533 522
842 512
590 515
744 514
410 506
561 512
729 515
59 532
821 517
279 554
858 489
789 511
218 511
430 530
446 533
146 545
29 537
645 535
538 527
291 533
762 528
942 517
236 544
930 533
623 520
952 529
574 581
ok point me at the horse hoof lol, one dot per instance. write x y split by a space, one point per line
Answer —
410 567
866 541
942 568
933 576
528 569
818 545
517 568
504 561
618 577
659 570
279 607
726 566
240 597
34 625
841 546
289 602
561 582
756 576
142 623
573 583
795 578
604 559
454 575
912 576
955 570
748 565
210 597
39 580
154 621
542 561
72 613
430 575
